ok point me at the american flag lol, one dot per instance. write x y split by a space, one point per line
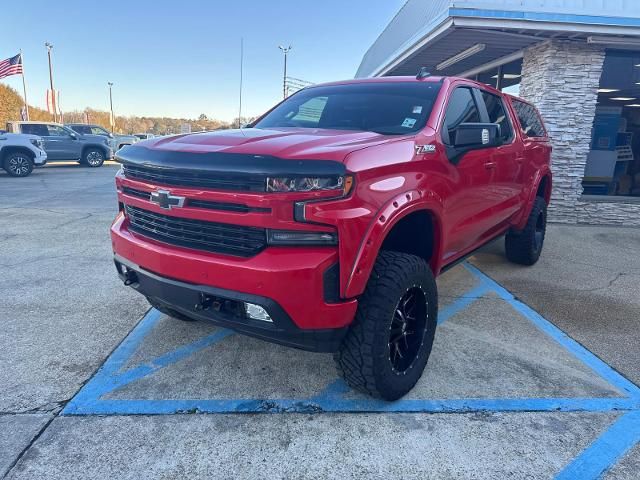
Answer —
11 66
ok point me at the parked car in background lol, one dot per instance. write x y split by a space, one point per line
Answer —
20 153
62 143
144 136
116 141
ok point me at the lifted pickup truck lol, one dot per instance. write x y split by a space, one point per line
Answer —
324 224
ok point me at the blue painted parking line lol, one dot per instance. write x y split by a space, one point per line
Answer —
606 450
336 397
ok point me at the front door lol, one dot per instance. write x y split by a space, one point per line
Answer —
506 162
469 208
60 145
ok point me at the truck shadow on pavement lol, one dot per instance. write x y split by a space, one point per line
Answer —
492 354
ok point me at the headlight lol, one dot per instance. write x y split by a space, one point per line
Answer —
310 184
297 237
37 143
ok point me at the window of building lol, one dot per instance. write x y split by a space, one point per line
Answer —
613 163
505 78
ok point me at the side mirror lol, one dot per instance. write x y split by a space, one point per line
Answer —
110 135
469 136
74 136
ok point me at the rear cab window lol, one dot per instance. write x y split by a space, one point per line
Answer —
529 118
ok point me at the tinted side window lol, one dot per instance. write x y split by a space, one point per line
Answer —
97 131
461 109
35 129
529 119
498 114
55 130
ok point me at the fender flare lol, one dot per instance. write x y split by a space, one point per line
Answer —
542 173
385 219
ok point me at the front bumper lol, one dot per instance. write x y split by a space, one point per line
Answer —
184 297
40 158
288 282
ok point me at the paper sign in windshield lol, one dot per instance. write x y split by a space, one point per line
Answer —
409 122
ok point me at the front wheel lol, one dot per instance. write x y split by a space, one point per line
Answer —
18 164
524 247
388 345
93 157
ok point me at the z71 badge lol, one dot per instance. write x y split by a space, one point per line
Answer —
422 149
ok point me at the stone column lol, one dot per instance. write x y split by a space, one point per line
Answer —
561 78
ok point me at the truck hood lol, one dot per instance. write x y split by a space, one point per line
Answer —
284 143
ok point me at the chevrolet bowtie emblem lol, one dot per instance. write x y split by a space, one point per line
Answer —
165 200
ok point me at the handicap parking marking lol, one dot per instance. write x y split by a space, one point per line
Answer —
621 436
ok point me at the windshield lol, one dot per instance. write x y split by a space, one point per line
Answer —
395 108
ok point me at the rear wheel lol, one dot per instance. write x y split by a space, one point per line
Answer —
388 345
524 247
18 164
93 157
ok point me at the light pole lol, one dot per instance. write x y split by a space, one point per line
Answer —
284 78
53 92
112 119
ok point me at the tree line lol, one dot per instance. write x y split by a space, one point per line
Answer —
11 103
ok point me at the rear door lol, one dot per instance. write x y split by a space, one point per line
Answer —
505 162
534 137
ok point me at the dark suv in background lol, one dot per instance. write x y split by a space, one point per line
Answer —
116 141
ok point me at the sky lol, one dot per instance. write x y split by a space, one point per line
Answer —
181 59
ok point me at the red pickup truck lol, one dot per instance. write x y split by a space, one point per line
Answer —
323 224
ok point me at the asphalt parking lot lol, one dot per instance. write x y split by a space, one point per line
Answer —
534 371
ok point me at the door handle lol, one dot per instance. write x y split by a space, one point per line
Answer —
519 159
490 165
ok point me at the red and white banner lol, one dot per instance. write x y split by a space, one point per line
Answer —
53 104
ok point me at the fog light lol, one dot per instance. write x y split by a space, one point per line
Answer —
256 312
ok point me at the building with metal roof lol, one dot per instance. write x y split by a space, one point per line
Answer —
577 60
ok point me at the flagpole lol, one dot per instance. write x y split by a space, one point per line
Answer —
240 97
24 86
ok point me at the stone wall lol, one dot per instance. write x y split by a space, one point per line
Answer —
609 213
561 78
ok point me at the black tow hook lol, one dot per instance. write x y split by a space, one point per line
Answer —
130 277
207 302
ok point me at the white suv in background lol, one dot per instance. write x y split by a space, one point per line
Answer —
19 153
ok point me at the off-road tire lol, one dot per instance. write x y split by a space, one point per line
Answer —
170 311
365 356
524 247
18 164
88 157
